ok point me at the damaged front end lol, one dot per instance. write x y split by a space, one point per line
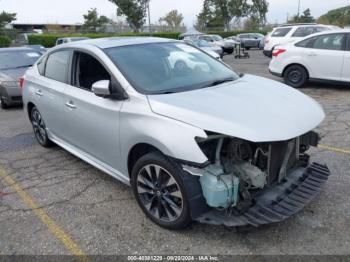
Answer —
248 183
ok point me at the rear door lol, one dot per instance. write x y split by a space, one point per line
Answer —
92 122
346 66
325 56
49 90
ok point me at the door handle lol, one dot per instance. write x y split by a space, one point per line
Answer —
39 93
70 104
312 54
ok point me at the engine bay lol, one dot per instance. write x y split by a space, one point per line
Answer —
239 170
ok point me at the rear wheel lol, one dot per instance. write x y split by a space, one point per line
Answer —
160 192
296 76
39 128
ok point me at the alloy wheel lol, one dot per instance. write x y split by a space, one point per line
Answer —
159 193
38 126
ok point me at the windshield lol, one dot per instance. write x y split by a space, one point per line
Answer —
160 68
203 43
16 59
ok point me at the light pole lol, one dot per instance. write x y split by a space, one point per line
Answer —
298 10
149 17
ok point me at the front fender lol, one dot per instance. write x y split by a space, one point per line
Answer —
173 138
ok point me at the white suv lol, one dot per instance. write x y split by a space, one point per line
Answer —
323 56
290 33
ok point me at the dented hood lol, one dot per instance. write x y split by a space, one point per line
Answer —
251 108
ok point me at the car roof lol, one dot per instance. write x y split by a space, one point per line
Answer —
15 49
337 31
119 41
302 25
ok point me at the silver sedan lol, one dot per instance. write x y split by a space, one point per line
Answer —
194 139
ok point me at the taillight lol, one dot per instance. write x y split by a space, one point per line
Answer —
21 82
277 52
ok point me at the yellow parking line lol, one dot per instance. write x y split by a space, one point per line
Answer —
44 217
335 149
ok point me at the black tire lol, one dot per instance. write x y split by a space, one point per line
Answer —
229 51
39 128
3 104
162 198
295 76
247 48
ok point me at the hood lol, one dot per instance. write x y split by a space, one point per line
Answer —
12 74
212 48
251 108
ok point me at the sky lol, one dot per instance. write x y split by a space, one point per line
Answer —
71 11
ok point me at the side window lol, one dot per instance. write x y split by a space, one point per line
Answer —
281 32
329 42
57 65
321 29
88 70
304 31
305 43
348 47
59 41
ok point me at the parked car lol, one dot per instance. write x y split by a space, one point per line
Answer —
248 40
66 40
13 63
39 48
194 144
324 56
217 40
206 46
290 33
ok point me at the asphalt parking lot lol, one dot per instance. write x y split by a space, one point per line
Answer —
53 203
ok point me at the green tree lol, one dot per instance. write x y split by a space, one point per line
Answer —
93 22
172 19
221 12
257 13
133 10
6 18
306 17
339 17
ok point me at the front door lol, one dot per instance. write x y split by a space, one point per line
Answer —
92 122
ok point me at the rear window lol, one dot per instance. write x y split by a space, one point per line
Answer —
281 32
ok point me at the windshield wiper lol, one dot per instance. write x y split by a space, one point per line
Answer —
219 82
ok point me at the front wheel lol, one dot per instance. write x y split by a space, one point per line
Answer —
296 76
160 192
229 51
3 104
39 128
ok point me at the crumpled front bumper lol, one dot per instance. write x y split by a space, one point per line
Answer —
278 202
